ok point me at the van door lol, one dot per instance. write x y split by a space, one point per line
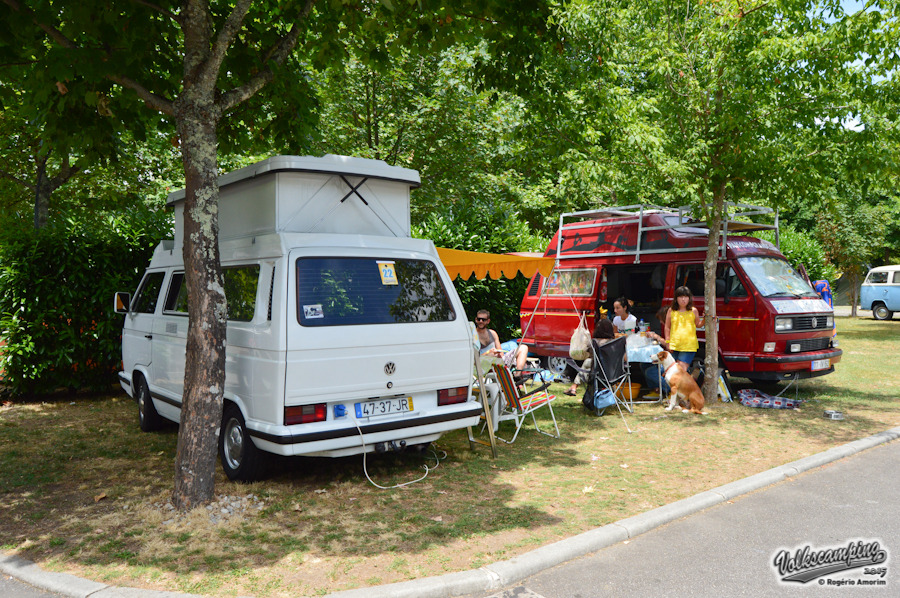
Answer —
735 307
169 348
364 328
137 333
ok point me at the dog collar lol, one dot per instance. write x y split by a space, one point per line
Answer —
670 367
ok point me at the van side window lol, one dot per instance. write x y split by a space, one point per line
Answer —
342 291
690 277
176 298
733 285
240 292
878 278
575 282
148 295
897 277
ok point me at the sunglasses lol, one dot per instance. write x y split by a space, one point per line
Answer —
482 319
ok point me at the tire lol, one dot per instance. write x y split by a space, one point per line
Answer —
148 418
881 312
241 460
555 364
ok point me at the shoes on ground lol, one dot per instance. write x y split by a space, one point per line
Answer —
652 395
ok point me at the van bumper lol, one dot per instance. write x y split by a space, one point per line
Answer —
344 438
768 366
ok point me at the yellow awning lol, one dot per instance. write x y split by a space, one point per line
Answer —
493 265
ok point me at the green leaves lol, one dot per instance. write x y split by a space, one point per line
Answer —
56 289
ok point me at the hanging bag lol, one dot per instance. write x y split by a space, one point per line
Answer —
580 343
604 398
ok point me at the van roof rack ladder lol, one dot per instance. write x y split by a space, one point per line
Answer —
738 219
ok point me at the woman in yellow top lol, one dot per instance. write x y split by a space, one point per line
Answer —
682 321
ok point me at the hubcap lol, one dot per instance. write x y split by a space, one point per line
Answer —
557 364
234 443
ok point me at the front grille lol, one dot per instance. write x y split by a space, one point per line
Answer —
810 322
809 344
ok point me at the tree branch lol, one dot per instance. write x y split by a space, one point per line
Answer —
160 10
54 33
226 36
155 101
15 179
276 55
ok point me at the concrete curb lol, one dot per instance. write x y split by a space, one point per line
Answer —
500 574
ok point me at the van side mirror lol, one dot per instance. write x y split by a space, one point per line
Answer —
122 301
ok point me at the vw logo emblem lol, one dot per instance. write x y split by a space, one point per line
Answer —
390 367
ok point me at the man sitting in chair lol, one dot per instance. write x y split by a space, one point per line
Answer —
490 343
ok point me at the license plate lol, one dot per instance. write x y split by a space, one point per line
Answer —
384 407
820 364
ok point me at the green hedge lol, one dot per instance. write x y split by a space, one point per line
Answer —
56 298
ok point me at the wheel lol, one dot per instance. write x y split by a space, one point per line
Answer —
241 460
148 418
881 312
557 365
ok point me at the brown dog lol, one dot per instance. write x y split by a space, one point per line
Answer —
682 384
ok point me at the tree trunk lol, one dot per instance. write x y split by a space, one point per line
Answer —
854 292
204 376
711 322
42 191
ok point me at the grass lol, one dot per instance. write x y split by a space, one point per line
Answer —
84 491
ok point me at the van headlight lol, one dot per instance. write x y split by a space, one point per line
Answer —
784 324
829 322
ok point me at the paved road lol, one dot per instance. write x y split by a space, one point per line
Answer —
728 550
13 588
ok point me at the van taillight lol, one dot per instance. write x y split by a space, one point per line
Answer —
304 414
451 396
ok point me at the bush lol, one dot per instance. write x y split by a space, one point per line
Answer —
56 298
483 229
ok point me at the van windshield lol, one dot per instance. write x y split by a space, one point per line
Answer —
344 291
774 277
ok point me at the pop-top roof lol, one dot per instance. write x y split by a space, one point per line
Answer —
327 164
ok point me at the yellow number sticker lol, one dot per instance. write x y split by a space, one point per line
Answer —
388 275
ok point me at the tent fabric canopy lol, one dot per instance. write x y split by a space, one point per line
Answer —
493 265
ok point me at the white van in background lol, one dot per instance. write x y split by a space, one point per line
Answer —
880 292
344 335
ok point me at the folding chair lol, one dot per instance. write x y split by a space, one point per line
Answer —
611 372
520 406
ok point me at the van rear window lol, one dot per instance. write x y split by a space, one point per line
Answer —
344 291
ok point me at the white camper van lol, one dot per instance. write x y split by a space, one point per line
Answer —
345 335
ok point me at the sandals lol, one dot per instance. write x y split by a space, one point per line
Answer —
570 392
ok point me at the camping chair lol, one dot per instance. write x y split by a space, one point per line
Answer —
519 406
610 372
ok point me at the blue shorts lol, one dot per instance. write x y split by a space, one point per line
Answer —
686 357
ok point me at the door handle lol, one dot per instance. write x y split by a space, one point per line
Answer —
148 336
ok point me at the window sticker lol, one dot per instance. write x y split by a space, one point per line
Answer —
313 311
388 274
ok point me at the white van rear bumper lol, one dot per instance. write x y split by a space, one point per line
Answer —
344 438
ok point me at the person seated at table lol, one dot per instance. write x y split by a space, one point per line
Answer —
652 376
603 332
490 343
624 321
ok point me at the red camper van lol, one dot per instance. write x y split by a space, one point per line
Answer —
772 324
